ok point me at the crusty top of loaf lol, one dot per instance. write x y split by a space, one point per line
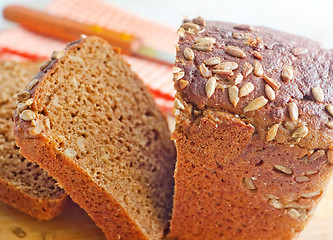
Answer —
310 67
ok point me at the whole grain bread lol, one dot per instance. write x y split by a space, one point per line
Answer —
98 132
23 184
253 131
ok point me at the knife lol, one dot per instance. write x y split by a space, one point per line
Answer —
70 30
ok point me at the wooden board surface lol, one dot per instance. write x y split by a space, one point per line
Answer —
74 224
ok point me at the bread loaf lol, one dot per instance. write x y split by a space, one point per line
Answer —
99 133
23 184
253 133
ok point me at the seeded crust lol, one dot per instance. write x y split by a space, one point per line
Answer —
23 184
252 163
107 143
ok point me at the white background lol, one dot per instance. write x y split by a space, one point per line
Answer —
312 19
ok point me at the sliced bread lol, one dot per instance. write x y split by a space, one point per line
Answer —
94 127
23 184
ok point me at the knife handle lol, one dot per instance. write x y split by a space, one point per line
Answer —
67 29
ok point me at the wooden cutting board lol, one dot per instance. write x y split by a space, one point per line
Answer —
75 224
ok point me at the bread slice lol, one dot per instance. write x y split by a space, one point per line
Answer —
23 184
95 128
253 131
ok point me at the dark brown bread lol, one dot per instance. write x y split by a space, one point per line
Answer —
253 131
23 184
106 143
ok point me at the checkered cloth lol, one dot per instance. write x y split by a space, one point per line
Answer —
19 44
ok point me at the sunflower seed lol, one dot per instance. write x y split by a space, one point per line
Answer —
300 132
233 95
176 70
330 155
21 107
234 51
272 131
189 25
246 89
28 115
302 179
210 86
312 194
317 154
299 51
275 204
329 108
188 54
241 36
310 172
226 73
318 94
270 94
177 47
178 75
212 61
293 111
238 79
249 184
199 21
292 212
271 196
292 205
204 71
273 83
206 40
182 84
57 55
257 69
227 66
330 124
223 86
255 104
244 27
181 32
32 84
283 169
247 69
177 104
257 55
287 73
45 64
23 96
35 130
70 152
18 232
203 46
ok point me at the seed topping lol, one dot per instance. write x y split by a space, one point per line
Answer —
182 84
176 70
287 73
257 69
257 55
212 61
18 232
234 51
203 46
270 94
177 104
32 84
283 169
45 64
246 89
318 94
330 124
330 155
206 40
273 83
188 54
302 179
272 131
241 36
178 75
238 79
28 115
226 73
293 111
189 25
249 184
23 96
247 69
255 104
275 204
204 71
233 95
312 194
329 108
300 132
227 66
210 86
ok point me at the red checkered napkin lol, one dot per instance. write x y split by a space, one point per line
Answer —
20 42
